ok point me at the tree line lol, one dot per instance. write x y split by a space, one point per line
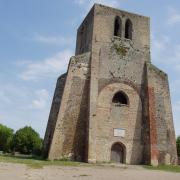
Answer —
178 145
25 140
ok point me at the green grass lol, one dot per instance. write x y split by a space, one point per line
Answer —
169 168
35 162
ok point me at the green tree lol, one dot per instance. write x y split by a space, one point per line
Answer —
27 141
178 145
6 135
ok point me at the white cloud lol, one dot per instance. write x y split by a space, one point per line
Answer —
21 106
159 46
165 51
80 2
41 100
177 106
48 67
11 93
174 16
55 40
175 86
88 4
176 113
4 98
160 43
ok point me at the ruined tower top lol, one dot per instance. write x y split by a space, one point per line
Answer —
102 24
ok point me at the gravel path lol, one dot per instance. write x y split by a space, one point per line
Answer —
10 171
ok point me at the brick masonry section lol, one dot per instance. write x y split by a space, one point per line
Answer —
152 123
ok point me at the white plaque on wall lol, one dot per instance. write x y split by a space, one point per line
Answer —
119 132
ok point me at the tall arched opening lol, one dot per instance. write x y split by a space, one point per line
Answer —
128 29
117 26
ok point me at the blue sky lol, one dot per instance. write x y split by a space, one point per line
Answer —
37 37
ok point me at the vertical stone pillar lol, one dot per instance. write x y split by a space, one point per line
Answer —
92 105
152 127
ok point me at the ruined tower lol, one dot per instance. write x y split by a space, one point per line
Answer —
112 104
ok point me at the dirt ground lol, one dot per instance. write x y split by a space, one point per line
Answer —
10 171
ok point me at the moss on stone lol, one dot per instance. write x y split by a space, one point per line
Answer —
121 50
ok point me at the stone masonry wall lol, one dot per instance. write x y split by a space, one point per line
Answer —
84 34
166 144
120 61
110 117
103 28
70 138
54 113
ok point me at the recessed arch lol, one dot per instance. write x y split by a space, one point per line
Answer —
120 98
117 26
112 117
118 153
128 29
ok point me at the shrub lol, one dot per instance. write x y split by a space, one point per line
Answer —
6 135
27 141
178 145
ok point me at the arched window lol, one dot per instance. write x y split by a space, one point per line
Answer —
117 26
128 29
120 98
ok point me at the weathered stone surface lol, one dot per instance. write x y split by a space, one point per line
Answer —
84 114
54 113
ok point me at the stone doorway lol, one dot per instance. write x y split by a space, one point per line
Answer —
118 153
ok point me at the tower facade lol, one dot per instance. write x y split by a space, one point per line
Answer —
112 104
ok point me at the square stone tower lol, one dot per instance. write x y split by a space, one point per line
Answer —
112 104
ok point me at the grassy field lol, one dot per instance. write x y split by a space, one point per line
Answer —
169 168
35 162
